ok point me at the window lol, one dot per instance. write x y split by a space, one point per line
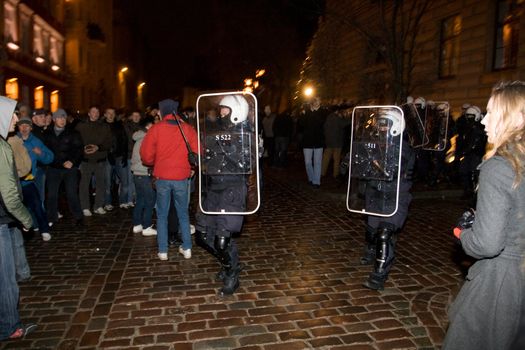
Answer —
507 33
55 99
10 30
11 88
39 97
449 47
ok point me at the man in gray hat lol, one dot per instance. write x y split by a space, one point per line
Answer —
66 143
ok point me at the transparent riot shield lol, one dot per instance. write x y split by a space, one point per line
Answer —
415 129
375 159
436 125
228 161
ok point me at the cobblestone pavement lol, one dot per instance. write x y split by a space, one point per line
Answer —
103 286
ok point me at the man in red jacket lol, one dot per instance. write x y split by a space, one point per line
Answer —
164 148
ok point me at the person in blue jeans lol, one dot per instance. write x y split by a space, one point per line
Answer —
38 152
145 194
165 149
11 211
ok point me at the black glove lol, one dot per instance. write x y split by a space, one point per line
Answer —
465 221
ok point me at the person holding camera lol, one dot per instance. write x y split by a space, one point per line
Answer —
486 312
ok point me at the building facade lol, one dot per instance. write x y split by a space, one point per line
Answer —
459 51
32 68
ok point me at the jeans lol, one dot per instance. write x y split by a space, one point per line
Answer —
120 173
19 253
40 183
132 195
86 170
10 319
54 179
313 158
32 202
178 190
143 211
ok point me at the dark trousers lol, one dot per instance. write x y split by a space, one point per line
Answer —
69 177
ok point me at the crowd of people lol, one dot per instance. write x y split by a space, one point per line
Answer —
140 162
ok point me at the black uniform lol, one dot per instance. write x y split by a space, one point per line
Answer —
226 192
380 231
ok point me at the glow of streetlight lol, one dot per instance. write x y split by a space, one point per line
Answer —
259 73
308 91
124 69
248 81
141 85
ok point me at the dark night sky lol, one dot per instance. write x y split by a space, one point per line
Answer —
215 44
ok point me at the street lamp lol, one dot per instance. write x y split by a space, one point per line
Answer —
122 84
308 91
140 95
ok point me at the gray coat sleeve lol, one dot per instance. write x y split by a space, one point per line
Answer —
486 238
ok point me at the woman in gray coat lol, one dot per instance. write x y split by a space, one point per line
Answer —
486 312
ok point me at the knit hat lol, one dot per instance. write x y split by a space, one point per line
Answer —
59 113
168 106
25 120
39 111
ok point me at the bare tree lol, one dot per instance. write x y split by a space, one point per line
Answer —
390 29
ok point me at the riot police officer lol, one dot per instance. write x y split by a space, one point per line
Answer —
380 197
225 174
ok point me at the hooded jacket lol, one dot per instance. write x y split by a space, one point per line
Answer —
11 207
45 158
137 168
164 148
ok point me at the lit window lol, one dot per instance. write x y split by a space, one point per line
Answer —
11 88
449 46
54 100
38 47
507 33
39 97
10 31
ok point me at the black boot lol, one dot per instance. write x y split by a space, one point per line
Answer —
369 254
384 258
231 280
222 273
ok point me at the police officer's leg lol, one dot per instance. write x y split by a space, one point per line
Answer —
384 256
369 254
229 257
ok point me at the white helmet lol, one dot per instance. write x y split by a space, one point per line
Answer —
420 101
398 122
410 99
442 107
238 107
465 106
473 111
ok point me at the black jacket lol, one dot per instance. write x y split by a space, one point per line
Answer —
119 147
66 146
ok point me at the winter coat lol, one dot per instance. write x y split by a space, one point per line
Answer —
119 141
11 206
311 125
95 133
137 168
334 129
164 148
131 128
46 157
67 146
485 314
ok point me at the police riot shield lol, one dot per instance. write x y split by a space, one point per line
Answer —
375 160
415 130
228 160
436 125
